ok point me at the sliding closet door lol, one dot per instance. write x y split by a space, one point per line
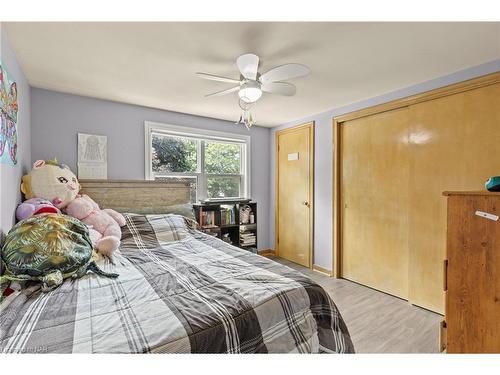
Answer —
395 166
455 145
374 201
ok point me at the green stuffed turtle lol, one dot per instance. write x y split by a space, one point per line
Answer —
48 248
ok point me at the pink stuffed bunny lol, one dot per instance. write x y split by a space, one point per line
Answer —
107 222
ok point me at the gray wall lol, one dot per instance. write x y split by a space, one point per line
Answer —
10 176
323 155
58 117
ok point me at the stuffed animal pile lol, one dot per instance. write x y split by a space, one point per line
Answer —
55 184
57 230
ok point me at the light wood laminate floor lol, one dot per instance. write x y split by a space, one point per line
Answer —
378 322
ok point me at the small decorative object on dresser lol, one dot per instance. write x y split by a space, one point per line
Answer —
493 183
230 221
472 274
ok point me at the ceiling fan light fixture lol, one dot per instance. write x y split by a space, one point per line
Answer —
252 84
250 91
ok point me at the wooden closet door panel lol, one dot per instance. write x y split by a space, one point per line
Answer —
473 308
374 201
454 145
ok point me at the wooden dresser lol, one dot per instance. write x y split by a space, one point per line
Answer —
472 273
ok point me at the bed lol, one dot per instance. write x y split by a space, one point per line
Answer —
179 291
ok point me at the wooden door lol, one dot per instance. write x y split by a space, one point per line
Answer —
473 277
294 190
454 143
394 165
374 201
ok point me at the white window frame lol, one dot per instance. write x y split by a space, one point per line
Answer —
151 127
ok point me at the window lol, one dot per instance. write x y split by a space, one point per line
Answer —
215 164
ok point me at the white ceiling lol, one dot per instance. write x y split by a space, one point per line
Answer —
153 64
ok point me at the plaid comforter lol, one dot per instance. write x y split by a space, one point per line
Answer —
179 291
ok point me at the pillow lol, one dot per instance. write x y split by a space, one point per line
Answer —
185 210
165 227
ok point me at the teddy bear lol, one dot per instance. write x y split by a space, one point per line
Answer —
56 183
106 222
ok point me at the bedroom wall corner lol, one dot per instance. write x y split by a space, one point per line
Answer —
10 176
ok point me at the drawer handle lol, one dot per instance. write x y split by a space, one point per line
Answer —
445 275
487 215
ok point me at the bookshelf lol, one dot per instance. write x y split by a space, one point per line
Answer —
224 220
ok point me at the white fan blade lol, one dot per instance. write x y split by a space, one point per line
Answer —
223 92
284 72
248 65
217 78
280 88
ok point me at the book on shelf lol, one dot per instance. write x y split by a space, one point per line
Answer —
249 241
247 238
227 216
247 234
208 219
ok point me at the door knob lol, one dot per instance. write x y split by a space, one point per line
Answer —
305 203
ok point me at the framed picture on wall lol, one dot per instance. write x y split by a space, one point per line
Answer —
8 118
92 156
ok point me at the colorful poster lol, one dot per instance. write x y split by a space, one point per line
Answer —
8 118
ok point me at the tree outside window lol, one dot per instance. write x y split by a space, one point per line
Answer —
216 166
174 154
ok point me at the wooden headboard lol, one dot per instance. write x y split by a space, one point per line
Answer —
143 197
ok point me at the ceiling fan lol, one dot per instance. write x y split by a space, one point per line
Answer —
252 84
